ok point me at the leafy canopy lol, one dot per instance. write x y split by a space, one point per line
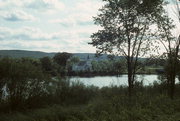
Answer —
125 24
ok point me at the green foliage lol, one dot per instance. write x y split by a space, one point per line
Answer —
61 60
67 92
48 66
34 96
125 25
126 30
112 104
73 60
171 44
24 81
106 67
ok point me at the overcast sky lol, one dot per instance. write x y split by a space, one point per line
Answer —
48 25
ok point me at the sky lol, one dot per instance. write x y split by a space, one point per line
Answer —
48 25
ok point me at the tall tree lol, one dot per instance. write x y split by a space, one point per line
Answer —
61 59
171 42
126 30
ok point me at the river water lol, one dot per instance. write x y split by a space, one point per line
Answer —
101 81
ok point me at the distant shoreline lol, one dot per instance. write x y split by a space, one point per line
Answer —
94 75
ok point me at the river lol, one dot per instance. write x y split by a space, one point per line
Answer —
101 81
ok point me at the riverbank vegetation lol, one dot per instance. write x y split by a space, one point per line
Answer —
31 93
80 103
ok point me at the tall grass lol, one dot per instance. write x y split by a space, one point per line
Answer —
78 102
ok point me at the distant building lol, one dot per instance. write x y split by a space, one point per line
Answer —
84 65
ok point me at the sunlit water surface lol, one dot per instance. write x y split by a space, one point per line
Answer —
102 81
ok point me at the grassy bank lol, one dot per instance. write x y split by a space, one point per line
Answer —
107 104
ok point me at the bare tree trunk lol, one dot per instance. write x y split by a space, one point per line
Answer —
130 75
172 88
173 61
130 82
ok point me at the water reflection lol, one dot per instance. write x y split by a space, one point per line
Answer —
102 81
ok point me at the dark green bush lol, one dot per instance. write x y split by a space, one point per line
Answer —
24 82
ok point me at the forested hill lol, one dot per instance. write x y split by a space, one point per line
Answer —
23 53
39 54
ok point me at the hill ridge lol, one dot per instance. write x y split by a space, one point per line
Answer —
40 54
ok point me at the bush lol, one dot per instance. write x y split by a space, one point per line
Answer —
24 83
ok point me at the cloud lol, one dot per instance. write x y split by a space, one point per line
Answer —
17 15
34 39
48 6
67 29
35 34
45 4
66 22
79 14
8 4
72 22
45 46
88 6
25 33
